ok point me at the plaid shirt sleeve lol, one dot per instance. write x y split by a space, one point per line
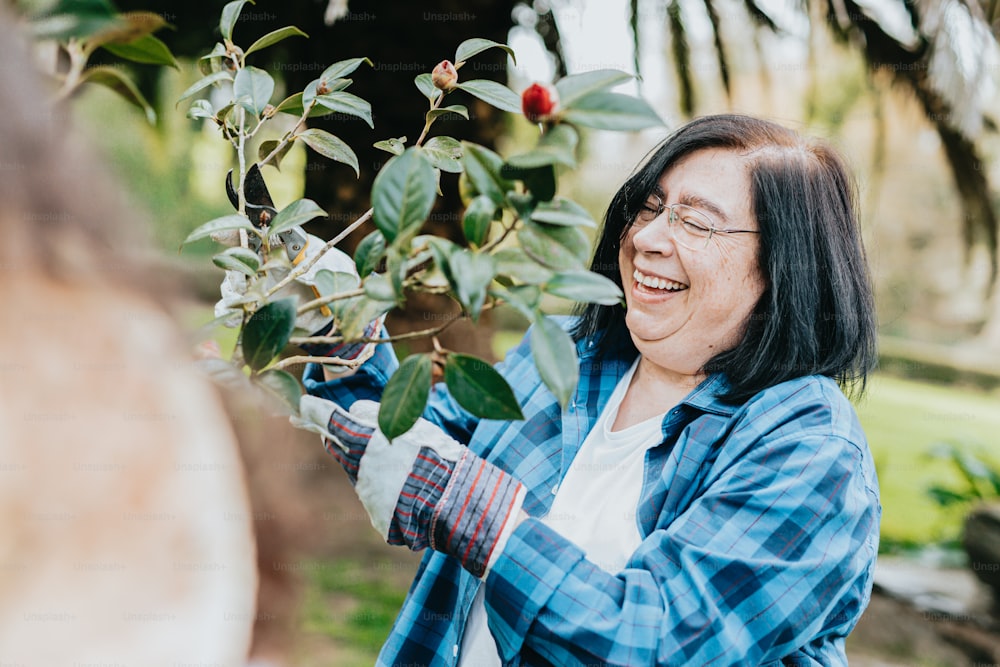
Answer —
771 561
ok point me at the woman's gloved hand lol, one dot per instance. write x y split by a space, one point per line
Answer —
422 489
316 322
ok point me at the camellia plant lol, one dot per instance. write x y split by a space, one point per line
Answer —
78 28
524 240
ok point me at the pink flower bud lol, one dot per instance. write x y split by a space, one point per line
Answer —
444 75
539 101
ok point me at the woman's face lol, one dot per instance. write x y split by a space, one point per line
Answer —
686 305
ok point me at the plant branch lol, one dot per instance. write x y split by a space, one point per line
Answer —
329 298
430 121
306 359
289 135
77 63
303 268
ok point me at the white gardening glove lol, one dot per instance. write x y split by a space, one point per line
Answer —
235 284
422 489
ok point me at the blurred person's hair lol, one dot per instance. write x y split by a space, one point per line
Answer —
62 212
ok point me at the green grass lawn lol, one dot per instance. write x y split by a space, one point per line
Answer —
905 418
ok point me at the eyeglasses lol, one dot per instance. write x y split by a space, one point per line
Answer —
689 227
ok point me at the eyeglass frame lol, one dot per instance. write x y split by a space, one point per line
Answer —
673 219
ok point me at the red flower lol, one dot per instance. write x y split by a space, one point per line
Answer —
444 75
539 101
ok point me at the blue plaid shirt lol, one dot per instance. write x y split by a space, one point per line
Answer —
759 524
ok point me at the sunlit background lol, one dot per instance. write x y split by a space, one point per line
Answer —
932 412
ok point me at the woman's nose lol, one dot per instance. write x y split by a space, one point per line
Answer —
655 236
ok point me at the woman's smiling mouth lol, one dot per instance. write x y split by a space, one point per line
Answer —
653 282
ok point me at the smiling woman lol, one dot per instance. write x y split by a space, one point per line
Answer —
708 496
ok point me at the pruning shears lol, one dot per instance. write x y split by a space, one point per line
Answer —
260 209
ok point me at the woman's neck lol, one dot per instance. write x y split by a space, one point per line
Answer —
653 391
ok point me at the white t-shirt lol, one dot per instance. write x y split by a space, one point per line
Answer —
595 507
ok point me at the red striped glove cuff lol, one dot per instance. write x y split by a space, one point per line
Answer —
469 519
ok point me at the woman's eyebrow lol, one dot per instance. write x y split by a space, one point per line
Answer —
696 201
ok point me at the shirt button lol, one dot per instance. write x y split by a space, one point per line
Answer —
555 489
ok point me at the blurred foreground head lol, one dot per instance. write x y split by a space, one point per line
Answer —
127 535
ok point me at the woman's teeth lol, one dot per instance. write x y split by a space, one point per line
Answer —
657 283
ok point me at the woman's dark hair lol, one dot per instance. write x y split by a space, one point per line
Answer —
816 314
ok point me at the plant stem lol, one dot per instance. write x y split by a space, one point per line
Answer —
305 359
427 123
77 63
289 135
305 266
329 298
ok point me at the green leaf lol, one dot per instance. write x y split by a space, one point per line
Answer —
442 250
515 263
231 14
203 83
267 147
347 103
473 272
575 86
565 212
225 223
240 259
405 395
471 47
482 167
67 19
395 146
330 146
129 27
201 109
147 49
121 84
555 358
356 314
403 194
458 109
585 287
340 69
293 104
283 386
479 388
494 93
540 181
556 146
426 86
380 287
295 214
267 332
273 38
369 253
477 219
255 87
557 247
335 282
612 111
218 51
444 153
522 298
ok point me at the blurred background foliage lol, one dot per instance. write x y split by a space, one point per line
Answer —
905 90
